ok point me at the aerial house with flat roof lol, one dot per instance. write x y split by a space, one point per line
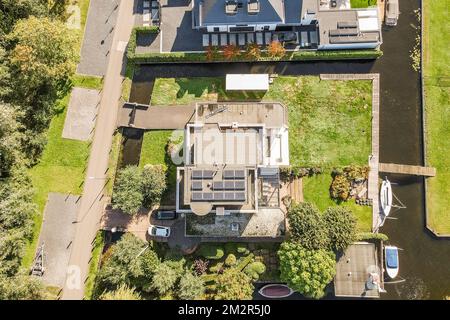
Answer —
229 185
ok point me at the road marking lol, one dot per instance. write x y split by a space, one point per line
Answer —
121 46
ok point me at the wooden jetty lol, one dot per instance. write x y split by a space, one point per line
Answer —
407 169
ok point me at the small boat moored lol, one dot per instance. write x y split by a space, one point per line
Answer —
275 291
391 261
386 197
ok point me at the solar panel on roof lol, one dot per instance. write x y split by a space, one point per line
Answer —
229 196
207 196
196 196
228 174
239 185
218 185
229 185
239 174
196 174
208 174
239 196
218 196
197 185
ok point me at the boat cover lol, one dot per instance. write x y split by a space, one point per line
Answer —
391 258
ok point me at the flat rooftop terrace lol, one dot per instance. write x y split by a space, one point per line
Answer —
271 114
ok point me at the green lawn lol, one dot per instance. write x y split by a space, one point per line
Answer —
61 169
153 151
437 96
363 3
329 121
94 264
63 161
316 190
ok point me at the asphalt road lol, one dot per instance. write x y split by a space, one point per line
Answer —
92 201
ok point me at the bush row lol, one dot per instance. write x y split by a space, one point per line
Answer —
171 57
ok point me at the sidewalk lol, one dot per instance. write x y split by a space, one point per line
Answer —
92 202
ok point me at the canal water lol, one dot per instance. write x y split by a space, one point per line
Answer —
425 259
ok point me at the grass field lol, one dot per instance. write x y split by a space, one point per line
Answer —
329 125
316 190
94 264
436 37
62 164
362 3
154 152
329 121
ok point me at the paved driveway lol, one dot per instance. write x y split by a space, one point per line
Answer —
177 32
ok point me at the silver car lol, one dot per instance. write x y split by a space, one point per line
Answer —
392 12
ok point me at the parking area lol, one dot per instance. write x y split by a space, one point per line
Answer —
101 21
177 34
81 114
57 233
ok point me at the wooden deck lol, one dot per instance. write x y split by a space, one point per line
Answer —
407 169
377 217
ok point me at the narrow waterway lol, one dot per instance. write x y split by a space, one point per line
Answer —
425 260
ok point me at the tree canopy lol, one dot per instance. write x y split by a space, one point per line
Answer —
44 52
129 263
306 271
153 184
341 224
123 292
307 226
233 284
191 287
21 287
127 193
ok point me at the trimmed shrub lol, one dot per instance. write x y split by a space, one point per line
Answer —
255 269
307 226
340 188
211 251
230 260
371 236
242 249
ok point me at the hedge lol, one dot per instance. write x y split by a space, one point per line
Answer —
174 57
131 49
371 236
211 251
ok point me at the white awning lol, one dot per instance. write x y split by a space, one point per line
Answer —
247 82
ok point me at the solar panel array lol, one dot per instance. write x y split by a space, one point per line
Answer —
234 174
218 196
232 188
202 174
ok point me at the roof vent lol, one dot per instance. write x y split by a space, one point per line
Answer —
253 6
231 7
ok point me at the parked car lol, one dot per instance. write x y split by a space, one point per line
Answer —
159 231
392 12
166 215
286 37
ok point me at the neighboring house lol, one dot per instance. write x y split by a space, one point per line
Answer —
232 153
321 24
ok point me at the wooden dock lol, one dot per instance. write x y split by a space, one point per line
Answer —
377 217
407 169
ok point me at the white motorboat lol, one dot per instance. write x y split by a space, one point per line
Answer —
391 261
386 197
